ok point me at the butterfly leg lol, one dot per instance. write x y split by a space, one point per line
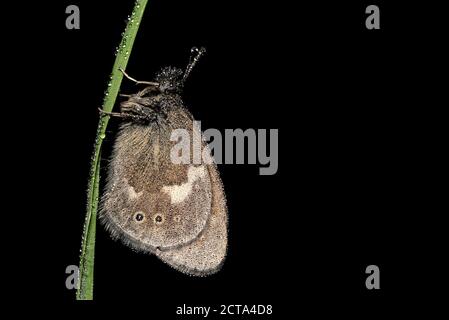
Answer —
150 83
122 115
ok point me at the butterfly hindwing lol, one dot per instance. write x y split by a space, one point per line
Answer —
206 254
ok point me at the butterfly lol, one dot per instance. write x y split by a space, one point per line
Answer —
176 211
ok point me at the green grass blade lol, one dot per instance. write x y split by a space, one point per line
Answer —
86 267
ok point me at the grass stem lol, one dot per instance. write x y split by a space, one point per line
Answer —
86 266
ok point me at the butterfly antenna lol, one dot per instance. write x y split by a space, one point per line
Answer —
195 55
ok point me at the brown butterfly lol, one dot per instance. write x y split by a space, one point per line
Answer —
176 211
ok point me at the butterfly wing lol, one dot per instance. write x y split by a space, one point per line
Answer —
149 202
206 254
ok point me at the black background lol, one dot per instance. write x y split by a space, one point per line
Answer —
349 191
